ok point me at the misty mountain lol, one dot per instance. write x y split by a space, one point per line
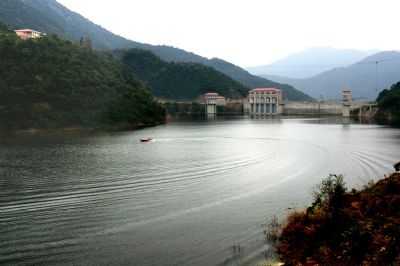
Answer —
364 78
311 62
51 17
179 81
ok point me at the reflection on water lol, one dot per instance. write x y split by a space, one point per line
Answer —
186 198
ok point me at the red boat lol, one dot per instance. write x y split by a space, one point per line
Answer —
146 140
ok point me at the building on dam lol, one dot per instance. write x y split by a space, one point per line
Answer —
212 99
265 101
270 101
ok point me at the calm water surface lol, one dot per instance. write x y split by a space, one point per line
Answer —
184 199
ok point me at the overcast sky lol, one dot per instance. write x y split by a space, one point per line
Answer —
249 32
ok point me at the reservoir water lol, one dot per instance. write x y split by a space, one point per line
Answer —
200 188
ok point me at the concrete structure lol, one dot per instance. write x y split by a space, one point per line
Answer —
211 102
325 108
212 99
29 34
346 103
321 108
312 108
269 101
221 100
265 101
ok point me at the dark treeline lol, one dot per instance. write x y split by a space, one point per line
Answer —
195 108
52 83
4 28
389 104
174 108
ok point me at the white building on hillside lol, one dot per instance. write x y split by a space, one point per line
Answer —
29 34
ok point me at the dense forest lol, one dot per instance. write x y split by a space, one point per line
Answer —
174 108
52 83
4 28
249 80
357 227
389 104
179 81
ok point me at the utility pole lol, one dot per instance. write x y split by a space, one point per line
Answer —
376 75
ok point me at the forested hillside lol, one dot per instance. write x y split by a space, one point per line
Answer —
389 104
52 83
252 81
51 17
4 28
143 63
179 81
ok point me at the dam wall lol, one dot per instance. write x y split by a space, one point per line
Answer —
312 108
316 108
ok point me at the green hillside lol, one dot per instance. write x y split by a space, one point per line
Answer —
143 63
179 81
252 81
190 80
52 83
51 17
389 104
4 28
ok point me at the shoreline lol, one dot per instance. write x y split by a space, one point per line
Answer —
125 127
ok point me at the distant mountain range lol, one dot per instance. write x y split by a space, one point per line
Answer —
311 62
366 78
51 17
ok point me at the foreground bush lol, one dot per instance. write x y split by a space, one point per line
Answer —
345 228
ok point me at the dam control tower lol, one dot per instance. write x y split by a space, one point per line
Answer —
346 102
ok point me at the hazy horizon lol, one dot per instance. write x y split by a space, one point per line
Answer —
248 33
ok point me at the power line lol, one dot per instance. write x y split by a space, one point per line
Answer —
378 61
342 65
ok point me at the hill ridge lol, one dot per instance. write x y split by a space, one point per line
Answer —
179 80
365 78
310 62
52 17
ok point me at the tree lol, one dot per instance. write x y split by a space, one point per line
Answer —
330 191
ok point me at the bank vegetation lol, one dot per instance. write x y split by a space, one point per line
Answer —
341 227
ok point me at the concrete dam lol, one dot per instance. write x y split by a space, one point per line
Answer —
269 101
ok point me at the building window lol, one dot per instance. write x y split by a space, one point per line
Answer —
274 108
